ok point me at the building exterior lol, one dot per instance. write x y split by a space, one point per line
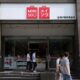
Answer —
48 27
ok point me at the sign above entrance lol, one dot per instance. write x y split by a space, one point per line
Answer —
37 12
44 12
32 12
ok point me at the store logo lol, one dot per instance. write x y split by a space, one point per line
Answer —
44 12
38 12
32 12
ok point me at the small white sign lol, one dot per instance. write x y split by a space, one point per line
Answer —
9 63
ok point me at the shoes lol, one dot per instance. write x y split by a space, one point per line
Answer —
34 71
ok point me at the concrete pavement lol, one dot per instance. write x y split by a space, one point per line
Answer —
23 75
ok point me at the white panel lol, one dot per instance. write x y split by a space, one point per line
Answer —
18 11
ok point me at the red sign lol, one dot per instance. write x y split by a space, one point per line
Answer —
38 12
44 12
32 12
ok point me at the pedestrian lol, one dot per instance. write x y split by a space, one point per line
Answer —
34 63
65 67
58 75
28 61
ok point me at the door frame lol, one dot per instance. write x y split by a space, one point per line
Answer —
47 49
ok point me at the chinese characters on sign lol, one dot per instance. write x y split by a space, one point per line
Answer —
44 12
38 12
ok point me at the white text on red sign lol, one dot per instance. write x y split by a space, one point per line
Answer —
38 12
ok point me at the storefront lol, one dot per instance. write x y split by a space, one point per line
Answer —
48 29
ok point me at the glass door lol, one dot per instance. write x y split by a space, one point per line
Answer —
41 49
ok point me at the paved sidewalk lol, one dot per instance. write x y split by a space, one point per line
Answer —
23 75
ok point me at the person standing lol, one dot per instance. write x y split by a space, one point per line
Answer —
65 67
28 61
34 64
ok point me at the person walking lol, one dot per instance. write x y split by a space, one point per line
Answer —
34 63
65 67
28 62
58 75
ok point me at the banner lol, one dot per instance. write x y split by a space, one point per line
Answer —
38 11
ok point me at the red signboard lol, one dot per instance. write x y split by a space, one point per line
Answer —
38 12
32 12
44 12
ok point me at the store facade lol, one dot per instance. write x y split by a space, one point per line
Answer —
47 27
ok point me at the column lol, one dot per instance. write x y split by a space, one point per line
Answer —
0 51
78 33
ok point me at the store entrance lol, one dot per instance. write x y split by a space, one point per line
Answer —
41 49
15 50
